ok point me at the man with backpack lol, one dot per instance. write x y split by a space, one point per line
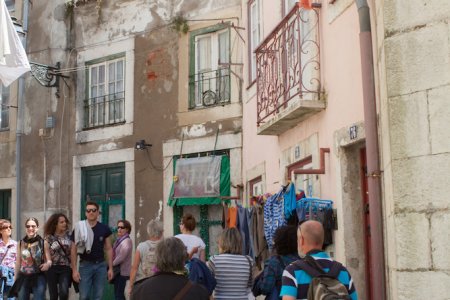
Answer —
316 276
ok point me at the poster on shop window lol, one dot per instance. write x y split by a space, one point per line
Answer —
197 177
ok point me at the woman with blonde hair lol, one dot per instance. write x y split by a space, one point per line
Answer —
232 270
144 264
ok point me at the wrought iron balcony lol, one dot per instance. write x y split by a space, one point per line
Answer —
288 73
104 110
210 88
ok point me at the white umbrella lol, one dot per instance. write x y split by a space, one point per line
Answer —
13 59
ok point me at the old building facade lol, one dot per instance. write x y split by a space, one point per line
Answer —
275 87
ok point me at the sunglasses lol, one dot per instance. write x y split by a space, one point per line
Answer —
7 227
120 227
30 226
89 210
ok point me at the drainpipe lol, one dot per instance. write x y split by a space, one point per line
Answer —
378 284
19 122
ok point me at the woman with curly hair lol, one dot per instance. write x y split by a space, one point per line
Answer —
285 248
59 276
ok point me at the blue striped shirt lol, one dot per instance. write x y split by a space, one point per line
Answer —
295 281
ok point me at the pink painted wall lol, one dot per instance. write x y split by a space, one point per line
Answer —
341 81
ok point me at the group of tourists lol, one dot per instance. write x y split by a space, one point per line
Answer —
163 268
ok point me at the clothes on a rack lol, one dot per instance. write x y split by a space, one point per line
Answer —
290 201
232 216
260 249
242 226
273 216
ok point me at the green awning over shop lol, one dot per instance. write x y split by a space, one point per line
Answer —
224 188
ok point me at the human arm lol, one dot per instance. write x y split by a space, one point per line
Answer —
202 254
73 263
46 265
134 268
18 260
109 256
289 288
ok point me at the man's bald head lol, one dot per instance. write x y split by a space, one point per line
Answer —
312 233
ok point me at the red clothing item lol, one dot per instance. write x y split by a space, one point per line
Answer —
232 216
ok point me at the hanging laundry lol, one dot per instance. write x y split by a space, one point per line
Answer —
260 248
242 226
232 216
290 201
273 216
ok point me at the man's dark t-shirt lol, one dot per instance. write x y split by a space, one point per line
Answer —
101 232
165 286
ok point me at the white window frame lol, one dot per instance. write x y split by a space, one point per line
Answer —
102 111
255 33
214 64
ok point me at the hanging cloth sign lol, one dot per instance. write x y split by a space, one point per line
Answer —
197 177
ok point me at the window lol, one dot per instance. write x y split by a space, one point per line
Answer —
10 4
209 79
255 34
256 186
4 108
106 95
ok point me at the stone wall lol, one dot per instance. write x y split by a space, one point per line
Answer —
413 54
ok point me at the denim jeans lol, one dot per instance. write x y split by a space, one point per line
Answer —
35 284
6 289
93 277
119 287
59 276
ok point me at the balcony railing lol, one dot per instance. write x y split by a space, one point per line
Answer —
104 110
210 88
288 64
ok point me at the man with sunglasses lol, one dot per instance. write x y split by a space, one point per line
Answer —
93 268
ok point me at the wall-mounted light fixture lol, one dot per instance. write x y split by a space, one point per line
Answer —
141 145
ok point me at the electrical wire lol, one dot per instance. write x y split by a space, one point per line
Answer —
155 167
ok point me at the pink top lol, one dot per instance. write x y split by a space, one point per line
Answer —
10 259
123 257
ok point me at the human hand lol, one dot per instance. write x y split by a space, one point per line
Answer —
110 273
45 266
76 276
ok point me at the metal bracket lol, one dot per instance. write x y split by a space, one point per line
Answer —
46 75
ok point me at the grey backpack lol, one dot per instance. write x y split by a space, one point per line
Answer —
324 286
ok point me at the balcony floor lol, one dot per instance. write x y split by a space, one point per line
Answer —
291 116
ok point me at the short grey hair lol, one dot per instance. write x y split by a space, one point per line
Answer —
171 255
155 229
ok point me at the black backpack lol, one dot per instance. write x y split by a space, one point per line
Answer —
324 286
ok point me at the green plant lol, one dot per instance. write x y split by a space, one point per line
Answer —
179 24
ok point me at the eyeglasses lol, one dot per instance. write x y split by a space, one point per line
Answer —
89 210
120 227
7 227
30 226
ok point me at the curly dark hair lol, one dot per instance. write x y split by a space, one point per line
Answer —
285 240
50 225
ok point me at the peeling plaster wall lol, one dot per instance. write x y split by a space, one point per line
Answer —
156 88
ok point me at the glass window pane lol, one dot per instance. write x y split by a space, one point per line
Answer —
204 53
94 76
115 214
101 74
119 70
224 56
111 72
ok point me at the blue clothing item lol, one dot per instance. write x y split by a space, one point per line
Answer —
242 226
295 281
33 284
119 287
290 202
93 277
273 270
6 282
200 273
59 279
273 217
101 232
